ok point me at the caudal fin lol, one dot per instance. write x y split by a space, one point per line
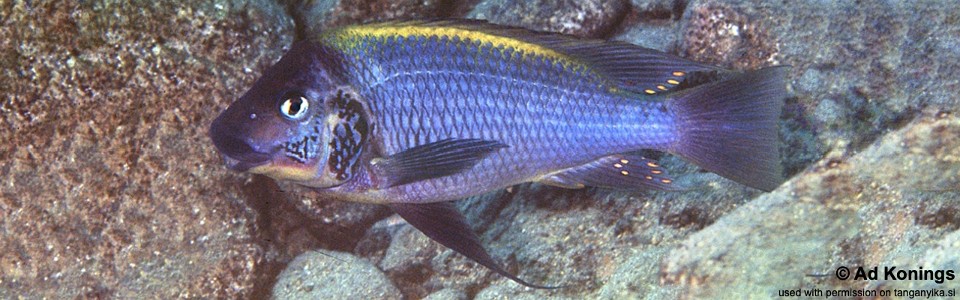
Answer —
730 127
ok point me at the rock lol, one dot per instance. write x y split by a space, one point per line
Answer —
316 16
507 290
373 246
657 36
340 224
880 62
942 256
553 236
110 185
421 266
638 275
581 18
715 33
333 275
445 294
815 223
657 6
292 220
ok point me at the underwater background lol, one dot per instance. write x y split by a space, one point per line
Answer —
110 187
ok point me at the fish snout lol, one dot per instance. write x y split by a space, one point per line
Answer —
240 152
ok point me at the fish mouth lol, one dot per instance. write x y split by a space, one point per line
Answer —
240 153
247 162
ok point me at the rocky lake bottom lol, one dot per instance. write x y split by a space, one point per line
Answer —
111 188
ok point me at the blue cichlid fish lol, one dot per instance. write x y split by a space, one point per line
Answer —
416 114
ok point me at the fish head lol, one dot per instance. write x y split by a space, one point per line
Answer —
282 126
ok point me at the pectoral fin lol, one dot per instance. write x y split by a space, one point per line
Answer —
443 223
438 159
621 171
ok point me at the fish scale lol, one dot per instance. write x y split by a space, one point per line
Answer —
418 86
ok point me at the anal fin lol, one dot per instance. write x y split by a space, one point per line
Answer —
620 171
442 222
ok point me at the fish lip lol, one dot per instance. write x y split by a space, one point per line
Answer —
247 161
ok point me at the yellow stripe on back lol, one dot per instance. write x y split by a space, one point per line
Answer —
347 38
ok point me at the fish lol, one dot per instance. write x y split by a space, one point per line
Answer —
417 114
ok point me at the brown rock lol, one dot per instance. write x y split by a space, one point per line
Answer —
110 187
316 16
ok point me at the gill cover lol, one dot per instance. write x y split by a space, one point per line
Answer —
349 131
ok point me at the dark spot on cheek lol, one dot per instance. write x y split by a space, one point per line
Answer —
350 134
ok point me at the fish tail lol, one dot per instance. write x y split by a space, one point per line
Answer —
730 127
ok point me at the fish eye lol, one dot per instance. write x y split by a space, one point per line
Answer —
294 106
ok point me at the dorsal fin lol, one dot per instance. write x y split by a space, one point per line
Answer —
629 67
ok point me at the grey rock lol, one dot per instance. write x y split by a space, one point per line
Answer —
637 275
374 243
421 266
656 5
576 238
408 245
869 210
882 61
333 275
657 36
829 114
507 290
447 294
942 256
407 261
590 18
